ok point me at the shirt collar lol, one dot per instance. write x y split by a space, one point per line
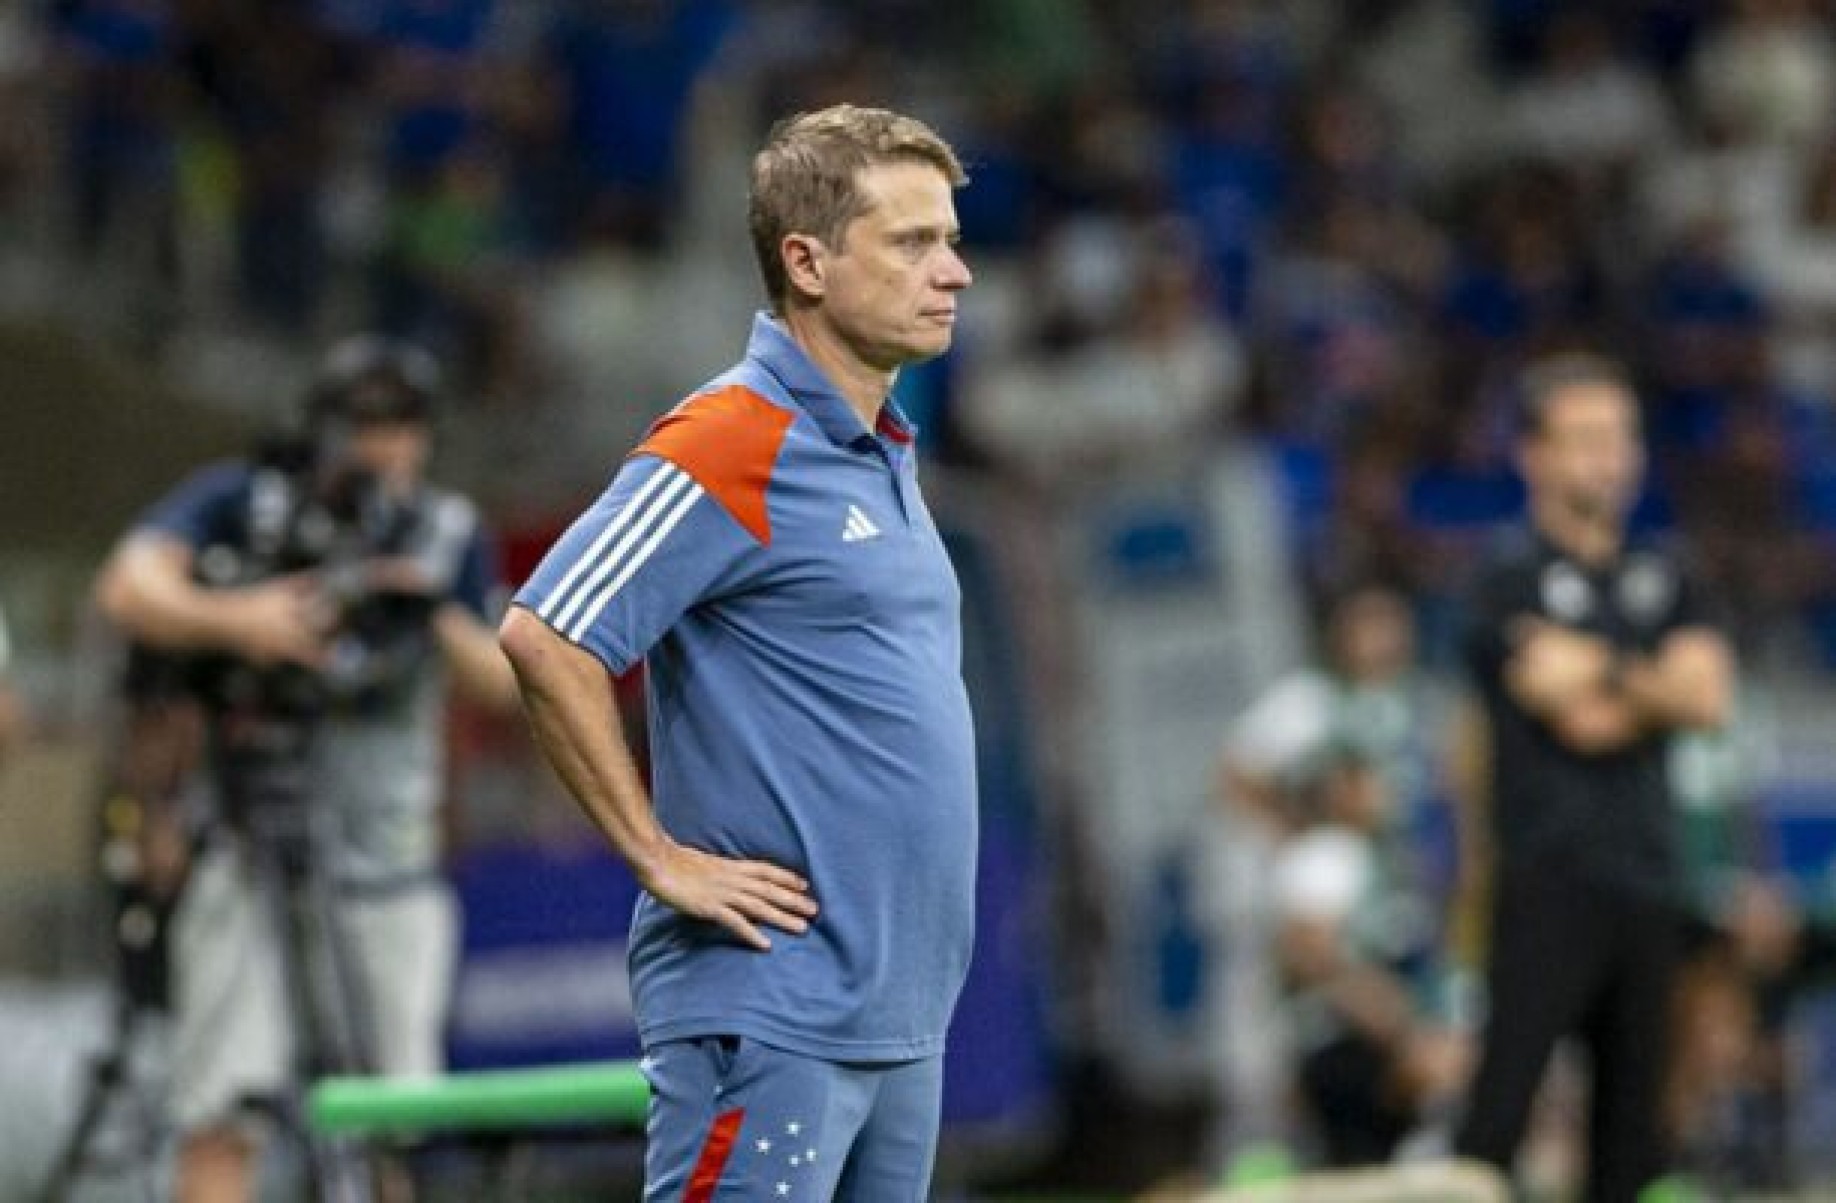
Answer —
1551 550
773 349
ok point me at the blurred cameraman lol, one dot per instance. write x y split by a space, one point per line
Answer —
249 566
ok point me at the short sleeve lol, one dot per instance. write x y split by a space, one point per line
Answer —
1283 730
203 508
477 585
653 546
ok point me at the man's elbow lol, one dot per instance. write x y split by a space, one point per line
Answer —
1702 677
114 595
529 645
141 587
1703 697
1710 707
519 636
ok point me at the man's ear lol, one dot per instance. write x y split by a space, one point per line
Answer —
804 265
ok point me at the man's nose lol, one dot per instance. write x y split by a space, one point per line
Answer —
955 274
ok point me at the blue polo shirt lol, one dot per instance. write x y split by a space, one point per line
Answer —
773 563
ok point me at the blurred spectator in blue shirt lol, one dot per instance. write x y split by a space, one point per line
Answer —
630 68
122 143
1705 323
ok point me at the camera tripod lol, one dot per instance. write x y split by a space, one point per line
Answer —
273 827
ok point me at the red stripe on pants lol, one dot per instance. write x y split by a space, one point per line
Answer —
714 1153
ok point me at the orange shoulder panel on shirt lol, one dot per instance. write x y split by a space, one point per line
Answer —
727 440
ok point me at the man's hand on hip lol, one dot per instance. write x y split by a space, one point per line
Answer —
739 895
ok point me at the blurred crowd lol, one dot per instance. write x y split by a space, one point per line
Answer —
1361 1030
1338 229
1330 233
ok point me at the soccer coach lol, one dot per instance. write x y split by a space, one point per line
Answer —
1589 649
768 555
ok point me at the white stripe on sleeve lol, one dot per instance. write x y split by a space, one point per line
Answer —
637 561
662 476
640 526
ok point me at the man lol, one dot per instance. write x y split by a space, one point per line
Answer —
1589 650
1362 696
373 775
1322 772
768 555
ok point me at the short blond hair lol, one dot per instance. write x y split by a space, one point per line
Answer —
804 177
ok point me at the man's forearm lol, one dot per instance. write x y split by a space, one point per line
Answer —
1553 666
479 668
1599 723
146 590
1689 683
573 714
1598 700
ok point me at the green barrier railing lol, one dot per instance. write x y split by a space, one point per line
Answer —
479 1100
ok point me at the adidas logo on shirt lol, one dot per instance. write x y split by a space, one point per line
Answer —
859 526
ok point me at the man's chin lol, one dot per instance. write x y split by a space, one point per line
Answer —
920 349
1606 511
938 341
